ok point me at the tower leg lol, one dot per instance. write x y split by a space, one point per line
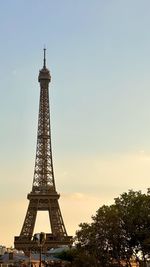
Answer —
29 222
56 220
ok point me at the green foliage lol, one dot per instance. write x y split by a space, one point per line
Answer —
67 255
119 231
78 257
134 210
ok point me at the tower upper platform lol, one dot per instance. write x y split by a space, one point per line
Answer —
44 73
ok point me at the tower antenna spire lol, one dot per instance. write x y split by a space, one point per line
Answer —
44 62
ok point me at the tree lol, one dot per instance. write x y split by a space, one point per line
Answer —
104 237
134 211
118 231
78 257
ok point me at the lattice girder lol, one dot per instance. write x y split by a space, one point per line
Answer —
43 195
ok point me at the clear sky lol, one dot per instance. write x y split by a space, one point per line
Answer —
98 53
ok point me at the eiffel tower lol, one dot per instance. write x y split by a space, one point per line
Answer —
43 196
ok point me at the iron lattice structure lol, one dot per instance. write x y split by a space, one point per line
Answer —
43 196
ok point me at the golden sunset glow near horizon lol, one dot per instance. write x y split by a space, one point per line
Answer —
99 57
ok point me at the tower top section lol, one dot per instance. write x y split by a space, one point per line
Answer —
44 73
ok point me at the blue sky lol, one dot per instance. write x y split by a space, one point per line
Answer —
98 53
